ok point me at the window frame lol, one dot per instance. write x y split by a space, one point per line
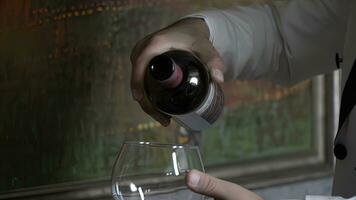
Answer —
251 174
290 168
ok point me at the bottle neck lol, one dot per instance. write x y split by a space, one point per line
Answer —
164 70
175 79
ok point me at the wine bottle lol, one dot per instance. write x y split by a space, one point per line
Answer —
178 84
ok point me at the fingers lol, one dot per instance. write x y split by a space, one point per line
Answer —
145 51
146 106
207 185
216 73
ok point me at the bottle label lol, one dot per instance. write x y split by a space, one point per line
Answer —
206 114
213 106
192 122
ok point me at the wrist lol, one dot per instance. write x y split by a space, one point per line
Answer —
197 26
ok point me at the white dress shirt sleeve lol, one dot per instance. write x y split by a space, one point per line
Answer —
285 41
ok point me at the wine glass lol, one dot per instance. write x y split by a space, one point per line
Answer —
154 171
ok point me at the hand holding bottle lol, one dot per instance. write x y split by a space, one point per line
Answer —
191 35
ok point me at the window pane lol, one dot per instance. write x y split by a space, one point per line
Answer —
65 99
260 120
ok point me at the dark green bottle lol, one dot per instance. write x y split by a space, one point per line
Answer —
178 84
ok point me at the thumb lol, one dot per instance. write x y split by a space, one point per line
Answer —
216 66
210 186
205 50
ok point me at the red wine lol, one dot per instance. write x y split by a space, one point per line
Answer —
178 84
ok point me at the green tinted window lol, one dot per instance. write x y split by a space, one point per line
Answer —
65 99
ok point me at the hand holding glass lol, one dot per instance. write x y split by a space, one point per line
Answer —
153 171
